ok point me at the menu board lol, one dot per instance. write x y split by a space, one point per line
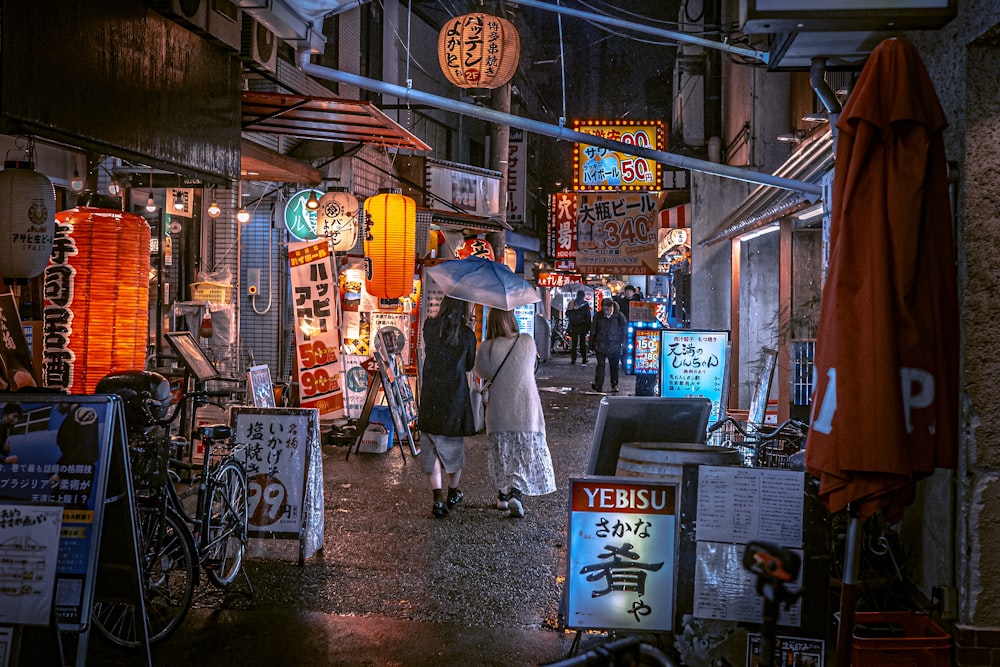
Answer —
694 364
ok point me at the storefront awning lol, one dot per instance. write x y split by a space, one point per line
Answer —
324 119
768 204
258 163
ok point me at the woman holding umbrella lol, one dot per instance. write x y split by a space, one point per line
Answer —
519 461
445 415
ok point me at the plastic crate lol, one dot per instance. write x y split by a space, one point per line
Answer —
211 292
898 639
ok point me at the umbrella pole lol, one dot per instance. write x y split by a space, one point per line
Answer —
849 590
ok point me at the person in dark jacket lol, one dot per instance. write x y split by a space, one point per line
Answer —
607 340
579 318
445 415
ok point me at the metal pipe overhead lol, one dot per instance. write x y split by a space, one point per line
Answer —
649 30
549 130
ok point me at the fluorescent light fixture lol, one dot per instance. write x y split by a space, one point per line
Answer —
813 211
761 231
816 117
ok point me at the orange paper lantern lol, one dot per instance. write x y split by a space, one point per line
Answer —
96 297
479 50
390 252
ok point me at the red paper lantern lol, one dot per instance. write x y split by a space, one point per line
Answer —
26 220
479 50
96 296
390 252
474 246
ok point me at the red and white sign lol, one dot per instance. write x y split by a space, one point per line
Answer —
558 279
678 217
564 224
317 327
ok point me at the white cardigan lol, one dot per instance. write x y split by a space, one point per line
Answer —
514 405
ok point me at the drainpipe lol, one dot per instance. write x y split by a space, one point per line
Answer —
412 96
817 79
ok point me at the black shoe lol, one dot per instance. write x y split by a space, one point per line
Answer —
614 389
593 385
440 509
572 362
454 497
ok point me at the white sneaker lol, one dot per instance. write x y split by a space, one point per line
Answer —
501 500
515 507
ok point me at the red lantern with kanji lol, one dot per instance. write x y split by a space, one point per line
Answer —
474 246
96 297
390 245
479 50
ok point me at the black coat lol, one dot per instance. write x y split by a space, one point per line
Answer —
607 335
445 408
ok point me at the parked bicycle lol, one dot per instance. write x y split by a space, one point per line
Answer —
172 542
561 340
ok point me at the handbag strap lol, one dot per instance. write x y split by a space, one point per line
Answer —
501 365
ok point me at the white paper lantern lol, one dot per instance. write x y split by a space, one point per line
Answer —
337 219
27 220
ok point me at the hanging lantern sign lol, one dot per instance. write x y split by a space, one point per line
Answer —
474 246
299 218
96 298
337 219
390 241
479 51
27 222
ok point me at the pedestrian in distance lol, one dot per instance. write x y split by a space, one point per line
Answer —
579 318
445 415
607 340
625 299
519 461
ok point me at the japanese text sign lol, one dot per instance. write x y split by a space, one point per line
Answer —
564 224
598 168
693 365
317 330
622 541
616 233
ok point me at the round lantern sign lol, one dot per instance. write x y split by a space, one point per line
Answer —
337 219
475 247
299 218
478 50
27 220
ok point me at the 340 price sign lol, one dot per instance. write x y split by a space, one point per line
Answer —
316 353
318 382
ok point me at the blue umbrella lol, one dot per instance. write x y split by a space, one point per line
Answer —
483 281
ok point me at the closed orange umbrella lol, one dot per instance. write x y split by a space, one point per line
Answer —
885 408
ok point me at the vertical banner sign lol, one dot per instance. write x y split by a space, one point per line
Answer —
622 545
517 177
317 331
617 233
564 223
693 365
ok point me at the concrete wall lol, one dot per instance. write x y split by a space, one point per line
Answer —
963 59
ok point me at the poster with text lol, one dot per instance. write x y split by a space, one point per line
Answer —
398 325
356 385
29 547
621 560
563 220
616 232
693 364
317 330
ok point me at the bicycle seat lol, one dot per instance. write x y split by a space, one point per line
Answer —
215 432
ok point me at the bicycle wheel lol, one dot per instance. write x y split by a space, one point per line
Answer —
227 524
169 575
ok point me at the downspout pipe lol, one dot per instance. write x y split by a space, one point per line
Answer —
817 79
412 96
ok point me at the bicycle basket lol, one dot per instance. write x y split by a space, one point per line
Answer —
149 457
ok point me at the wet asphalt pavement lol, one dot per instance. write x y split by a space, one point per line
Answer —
395 586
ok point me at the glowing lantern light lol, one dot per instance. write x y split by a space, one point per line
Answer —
479 50
27 222
474 246
390 241
96 297
337 219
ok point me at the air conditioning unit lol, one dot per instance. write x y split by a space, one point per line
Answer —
224 24
190 13
259 45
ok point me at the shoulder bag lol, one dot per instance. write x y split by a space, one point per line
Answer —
479 392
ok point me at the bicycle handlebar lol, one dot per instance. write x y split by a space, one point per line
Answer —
201 399
782 430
